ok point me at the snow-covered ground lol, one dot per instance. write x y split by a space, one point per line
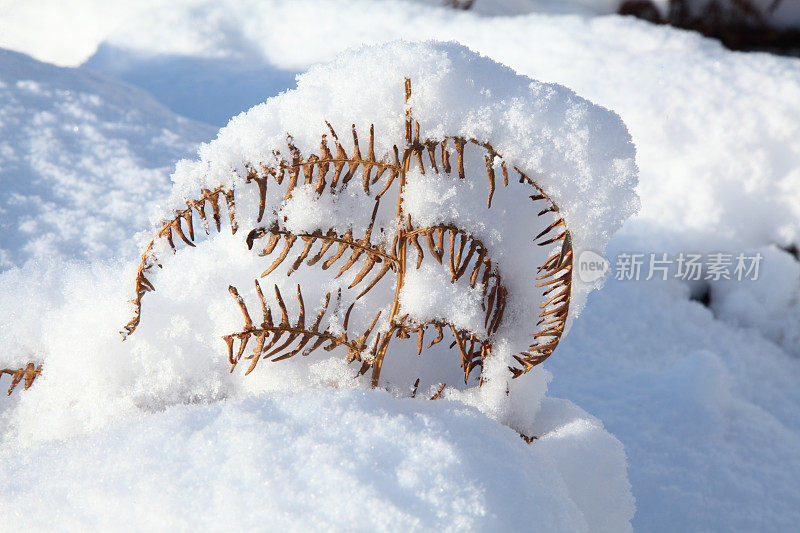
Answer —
704 400
83 155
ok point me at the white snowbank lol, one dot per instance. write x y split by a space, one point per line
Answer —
687 101
323 460
524 7
115 409
67 137
770 305
588 157
53 32
578 153
707 408
707 411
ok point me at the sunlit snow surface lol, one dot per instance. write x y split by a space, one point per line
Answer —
81 157
67 314
322 460
704 402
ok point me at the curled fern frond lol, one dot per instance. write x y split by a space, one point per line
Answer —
175 227
369 259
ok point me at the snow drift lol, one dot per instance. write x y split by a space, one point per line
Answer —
97 390
705 400
67 136
579 155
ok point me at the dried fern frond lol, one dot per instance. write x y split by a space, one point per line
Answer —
269 335
345 245
173 227
29 373
461 253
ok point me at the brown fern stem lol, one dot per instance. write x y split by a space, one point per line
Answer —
402 239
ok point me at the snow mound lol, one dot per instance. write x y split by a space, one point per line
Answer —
707 411
712 441
769 305
507 8
158 419
325 459
68 135
578 153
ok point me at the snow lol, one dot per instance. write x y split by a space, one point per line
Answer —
321 459
769 304
65 311
523 7
580 154
704 400
708 412
684 155
66 136
194 282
